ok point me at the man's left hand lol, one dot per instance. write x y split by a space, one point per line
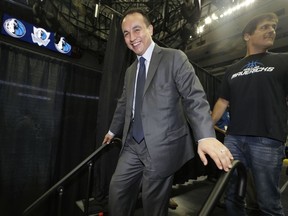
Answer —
217 151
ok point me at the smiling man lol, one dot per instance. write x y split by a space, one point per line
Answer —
154 123
255 88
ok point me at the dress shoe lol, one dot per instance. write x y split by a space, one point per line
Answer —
172 204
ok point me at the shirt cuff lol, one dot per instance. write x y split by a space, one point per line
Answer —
111 134
207 138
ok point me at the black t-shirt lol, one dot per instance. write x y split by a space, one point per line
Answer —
256 88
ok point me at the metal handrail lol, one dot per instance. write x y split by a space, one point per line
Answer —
58 185
221 185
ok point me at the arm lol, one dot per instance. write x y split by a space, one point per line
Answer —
198 112
216 150
118 120
219 109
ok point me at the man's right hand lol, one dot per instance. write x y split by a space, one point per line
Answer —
107 139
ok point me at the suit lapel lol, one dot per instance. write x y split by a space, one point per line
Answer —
155 61
131 83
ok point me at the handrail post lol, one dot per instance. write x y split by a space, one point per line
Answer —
86 203
60 197
221 184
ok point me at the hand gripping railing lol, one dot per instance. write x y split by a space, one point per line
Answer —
220 187
59 185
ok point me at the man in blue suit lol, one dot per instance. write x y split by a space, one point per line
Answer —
172 97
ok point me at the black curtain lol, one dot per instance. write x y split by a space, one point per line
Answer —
209 82
48 117
117 58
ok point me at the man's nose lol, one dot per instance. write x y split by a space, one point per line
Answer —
272 29
132 37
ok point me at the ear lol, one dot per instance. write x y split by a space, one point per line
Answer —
246 37
150 28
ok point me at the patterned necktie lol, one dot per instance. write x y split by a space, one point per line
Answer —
138 134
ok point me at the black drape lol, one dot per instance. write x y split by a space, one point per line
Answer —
209 82
48 114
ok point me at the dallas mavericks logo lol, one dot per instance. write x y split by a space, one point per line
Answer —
40 36
252 68
62 46
14 28
252 64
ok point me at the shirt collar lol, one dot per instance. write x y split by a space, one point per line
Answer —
147 55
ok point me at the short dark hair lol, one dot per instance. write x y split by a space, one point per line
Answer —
137 10
252 24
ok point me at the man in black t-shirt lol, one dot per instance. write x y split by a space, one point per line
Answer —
255 88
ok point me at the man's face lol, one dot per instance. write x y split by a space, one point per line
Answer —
263 36
137 35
